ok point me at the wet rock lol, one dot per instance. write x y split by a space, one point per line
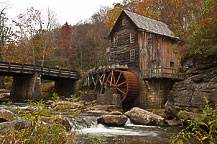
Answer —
6 115
60 120
108 108
67 105
189 115
200 80
113 120
16 124
173 122
4 91
140 116
97 112
54 104
115 113
88 97
4 97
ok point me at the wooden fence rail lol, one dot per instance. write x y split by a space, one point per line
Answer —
162 73
17 68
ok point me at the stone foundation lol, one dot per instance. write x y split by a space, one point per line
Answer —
110 98
88 97
26 87
153 93
64 87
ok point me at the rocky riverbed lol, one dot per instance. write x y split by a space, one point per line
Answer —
85 119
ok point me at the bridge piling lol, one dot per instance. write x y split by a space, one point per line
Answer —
65 87
26 87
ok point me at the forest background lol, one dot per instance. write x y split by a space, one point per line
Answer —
36 38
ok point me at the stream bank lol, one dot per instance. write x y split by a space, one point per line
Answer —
87 128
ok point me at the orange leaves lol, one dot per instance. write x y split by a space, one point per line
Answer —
178 14
149 8
113 14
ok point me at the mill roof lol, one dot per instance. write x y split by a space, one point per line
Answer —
148 24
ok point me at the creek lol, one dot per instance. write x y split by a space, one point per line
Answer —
128 134
88 130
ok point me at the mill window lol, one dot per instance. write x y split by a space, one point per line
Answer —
132 37
115 41
171 64
132 55
150 42
123 22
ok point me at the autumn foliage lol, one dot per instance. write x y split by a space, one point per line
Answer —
41 41
194 21
30 40
66 35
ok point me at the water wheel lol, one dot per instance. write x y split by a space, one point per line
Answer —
126 84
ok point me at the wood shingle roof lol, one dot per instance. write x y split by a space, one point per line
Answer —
149 25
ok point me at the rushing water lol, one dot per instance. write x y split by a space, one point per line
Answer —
88 129
128 134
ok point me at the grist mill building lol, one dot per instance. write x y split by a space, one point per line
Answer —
147 47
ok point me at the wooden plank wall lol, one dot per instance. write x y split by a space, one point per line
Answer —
121 53
161 52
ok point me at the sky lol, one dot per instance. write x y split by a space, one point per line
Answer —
71 11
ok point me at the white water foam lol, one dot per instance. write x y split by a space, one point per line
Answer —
111 131
130 124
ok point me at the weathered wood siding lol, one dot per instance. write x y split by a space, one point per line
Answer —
152 51
161 54
120 54
153 92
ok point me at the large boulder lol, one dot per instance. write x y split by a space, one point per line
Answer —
4 95
7 116
97 112
60 120
108 108
143 117
16 124
200 80
113 120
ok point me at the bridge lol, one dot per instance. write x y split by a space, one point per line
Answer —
27 80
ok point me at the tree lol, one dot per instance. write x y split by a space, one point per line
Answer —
4 34
201 37
4 30
66 44
178 14
33 39
82 46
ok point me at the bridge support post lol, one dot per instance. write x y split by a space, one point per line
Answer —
65 87
26 87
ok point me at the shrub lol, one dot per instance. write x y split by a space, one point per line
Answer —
201 36
38 132
202 129
47 89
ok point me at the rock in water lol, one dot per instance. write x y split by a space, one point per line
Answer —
16 124
143 117
60 120
113 120
6 115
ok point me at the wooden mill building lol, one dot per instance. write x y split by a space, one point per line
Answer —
147 47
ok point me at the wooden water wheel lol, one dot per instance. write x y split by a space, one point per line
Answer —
126 83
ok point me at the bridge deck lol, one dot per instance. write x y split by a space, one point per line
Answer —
28 69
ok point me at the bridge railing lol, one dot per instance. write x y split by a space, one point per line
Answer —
161 73
31 69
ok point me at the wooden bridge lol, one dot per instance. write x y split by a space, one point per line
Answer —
27 80
16 69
